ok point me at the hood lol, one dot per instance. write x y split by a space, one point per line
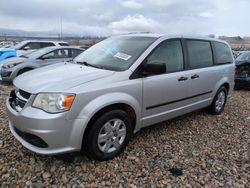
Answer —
58 78
12 60
239 63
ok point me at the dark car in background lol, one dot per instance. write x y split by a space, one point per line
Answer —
16 66
242 75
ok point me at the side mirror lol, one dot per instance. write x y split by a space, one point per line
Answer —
154 67
26 48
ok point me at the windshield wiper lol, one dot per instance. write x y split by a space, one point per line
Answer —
89 65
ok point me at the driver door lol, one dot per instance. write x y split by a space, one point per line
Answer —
163 94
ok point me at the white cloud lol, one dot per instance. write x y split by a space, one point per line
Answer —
132 4
101 17
223 17
135 23
206 14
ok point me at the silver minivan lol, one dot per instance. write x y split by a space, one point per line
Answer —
115 88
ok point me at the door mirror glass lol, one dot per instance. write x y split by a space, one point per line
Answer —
154 67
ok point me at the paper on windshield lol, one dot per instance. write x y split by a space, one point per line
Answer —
123 56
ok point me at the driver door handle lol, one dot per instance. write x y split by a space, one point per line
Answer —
183 78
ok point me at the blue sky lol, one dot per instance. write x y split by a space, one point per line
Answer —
108 17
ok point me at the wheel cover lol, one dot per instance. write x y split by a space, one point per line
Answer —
112 135
219 103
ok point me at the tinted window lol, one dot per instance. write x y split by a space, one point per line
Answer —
170 53
75 52
57 54
223 53
63 44
200 54
32 45
46 44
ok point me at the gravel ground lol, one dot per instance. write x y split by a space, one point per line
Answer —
197 150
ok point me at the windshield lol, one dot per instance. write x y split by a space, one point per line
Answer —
117 53
19 45
37 53
245 56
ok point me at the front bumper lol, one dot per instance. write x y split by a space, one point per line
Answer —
45 133
242 82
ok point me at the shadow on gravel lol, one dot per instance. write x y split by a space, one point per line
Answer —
174 123
68 157
5 83
79 156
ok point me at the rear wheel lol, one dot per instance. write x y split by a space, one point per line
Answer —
108 135
219 101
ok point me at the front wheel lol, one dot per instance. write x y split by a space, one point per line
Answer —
108 135
219 101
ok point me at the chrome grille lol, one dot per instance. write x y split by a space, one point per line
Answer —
18 99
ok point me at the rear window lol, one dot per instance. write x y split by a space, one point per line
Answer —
63 44
200 54
222 53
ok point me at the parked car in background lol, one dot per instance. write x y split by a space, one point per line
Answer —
81 46
237 53
84 47
15 66
30 45
6 53
115 88
25 47
242 74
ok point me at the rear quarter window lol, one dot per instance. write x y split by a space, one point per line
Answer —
223 53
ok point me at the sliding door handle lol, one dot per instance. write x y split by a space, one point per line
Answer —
195 76
183 78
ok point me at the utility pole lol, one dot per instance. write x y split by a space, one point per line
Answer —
61 26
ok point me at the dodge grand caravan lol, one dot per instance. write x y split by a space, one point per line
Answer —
114 89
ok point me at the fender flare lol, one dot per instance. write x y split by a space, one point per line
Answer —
110 99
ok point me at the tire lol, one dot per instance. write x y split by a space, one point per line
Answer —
108 135
219 101
23 71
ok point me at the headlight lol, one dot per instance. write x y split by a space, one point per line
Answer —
53 103
9 66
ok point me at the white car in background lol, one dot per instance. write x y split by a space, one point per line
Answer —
27 46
